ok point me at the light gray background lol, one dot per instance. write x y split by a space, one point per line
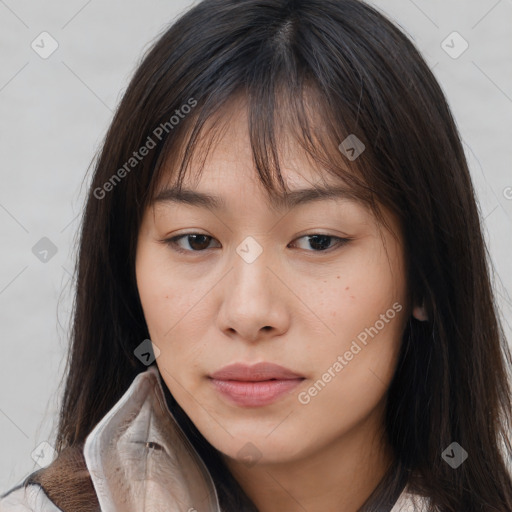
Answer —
54 113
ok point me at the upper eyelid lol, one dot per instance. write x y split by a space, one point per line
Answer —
182 235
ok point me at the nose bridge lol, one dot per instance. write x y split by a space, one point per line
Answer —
250 279
251 296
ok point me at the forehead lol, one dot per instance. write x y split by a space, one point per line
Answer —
222 163
224 181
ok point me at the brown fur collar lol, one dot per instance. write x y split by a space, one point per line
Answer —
67 482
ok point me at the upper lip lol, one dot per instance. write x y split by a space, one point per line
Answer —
254 373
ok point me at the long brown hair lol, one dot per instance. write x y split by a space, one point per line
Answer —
342 65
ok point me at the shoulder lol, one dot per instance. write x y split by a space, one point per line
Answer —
64 486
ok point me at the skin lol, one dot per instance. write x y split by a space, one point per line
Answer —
205 310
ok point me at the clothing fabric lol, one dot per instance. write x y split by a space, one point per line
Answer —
139 459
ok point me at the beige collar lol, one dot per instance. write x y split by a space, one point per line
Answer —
140 459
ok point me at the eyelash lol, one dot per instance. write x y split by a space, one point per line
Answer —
173 242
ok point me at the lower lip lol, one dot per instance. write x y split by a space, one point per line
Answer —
255 394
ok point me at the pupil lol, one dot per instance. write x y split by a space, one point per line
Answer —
193 239
313 240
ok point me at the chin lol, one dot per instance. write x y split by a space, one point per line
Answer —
257 447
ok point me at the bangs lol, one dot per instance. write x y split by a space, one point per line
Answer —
325 103
296 114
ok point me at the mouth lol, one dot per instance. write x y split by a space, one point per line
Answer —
254 386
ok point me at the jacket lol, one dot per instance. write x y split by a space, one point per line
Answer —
139 459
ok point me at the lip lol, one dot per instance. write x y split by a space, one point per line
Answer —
254 385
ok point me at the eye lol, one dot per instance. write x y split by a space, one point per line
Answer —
197 242
321 242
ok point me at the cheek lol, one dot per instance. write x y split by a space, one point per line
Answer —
352 372
172 309
357 293
363 305
164 295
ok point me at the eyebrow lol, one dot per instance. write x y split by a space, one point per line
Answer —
290 200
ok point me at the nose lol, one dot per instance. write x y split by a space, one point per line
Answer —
254 305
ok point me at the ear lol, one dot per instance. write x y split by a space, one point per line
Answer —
420 313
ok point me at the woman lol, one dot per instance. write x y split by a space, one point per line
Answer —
283 300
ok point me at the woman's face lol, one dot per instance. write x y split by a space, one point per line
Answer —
254 285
